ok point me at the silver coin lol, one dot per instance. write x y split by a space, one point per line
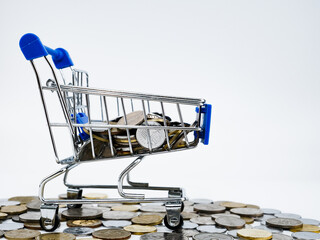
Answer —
214 216
103 209
201 201
189 225
153 208
233 233
187 232
269 229
188 209
284 223
211 229
280 236
287 215
34 205
270 211
9 203
202 220
30 217
107 205
306 235
116 223
263 219
16 218
188 203
310 221
210 236
161 228
157 136
248 226
119 215
247 212
79 231
230 222
209 208
152 204
11 226
189 215
163 236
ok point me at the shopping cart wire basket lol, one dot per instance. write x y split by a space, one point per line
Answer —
140 130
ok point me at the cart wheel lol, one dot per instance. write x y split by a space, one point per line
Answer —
75 194
182 206
49 225
166 223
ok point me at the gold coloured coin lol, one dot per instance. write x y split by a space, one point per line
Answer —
254 234
111 234
84 223
14 210
23 199
3 216
140 229
147 220
95 196
252 206
248 220
306 228
127 208
247 212
56 236
34 226
21 234
230 205
133 118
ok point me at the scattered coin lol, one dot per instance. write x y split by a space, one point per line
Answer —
272 230
163 236
310 221
202 220
153 208
23 234
247 212
3 216
188 215
23 199
188 209
116 223
287 215
187 232
79 231
201 201
1 234
248 220
214 216
161 228
56 236
84 223
34 205
95 196
127 208
211 236
280 236
140 229
254 234
307 228
82 214
211 229
189 225
9 203
233 233
34 226
16 218
285 223
270 211
107 205
209 208
119 215
30 217
306 236
147 220
230 205
10 226
188 203
14 210
230 222
252 206
264 218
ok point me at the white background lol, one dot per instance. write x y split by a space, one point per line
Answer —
257 62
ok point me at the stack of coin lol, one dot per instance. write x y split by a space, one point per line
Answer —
139 138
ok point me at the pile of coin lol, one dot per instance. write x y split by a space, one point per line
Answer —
139 138
203 220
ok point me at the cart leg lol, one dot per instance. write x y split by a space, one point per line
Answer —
49 220
173 220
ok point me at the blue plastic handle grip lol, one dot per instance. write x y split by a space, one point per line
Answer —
32 48
205 133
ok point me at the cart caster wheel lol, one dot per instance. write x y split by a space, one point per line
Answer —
173 224
74 194
50 225
182 206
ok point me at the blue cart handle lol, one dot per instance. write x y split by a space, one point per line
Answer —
32 48
204 134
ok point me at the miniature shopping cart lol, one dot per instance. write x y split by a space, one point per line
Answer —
116 124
